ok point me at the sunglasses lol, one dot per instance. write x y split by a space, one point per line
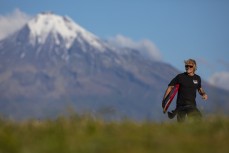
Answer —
188 66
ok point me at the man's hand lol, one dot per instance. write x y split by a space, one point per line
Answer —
204 96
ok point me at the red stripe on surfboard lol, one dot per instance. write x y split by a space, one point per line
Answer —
171 98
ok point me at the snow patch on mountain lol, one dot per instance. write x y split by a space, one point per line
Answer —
61 29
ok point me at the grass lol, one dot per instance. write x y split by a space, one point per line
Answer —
80 134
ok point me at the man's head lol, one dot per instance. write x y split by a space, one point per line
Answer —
190 65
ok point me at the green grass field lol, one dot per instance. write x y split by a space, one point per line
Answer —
86 135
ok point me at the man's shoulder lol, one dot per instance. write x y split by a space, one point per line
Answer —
197 76
184 74
181 74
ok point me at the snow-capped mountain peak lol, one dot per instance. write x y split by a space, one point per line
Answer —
61 28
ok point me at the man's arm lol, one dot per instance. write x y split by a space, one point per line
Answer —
167 92
203 94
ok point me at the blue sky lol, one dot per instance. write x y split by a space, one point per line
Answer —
179 29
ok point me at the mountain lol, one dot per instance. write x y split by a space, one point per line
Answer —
52 65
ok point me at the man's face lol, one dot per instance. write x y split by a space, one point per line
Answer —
189 67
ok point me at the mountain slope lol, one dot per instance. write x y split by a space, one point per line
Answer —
52 64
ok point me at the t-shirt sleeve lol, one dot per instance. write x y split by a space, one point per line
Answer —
199 84
174 81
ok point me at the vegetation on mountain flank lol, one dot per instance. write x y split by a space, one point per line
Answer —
84 134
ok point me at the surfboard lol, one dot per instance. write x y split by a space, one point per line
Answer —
169 98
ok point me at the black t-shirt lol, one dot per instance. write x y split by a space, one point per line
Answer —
187 90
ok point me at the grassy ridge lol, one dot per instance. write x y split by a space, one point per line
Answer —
86 135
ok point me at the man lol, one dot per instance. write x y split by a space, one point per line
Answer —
189 83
